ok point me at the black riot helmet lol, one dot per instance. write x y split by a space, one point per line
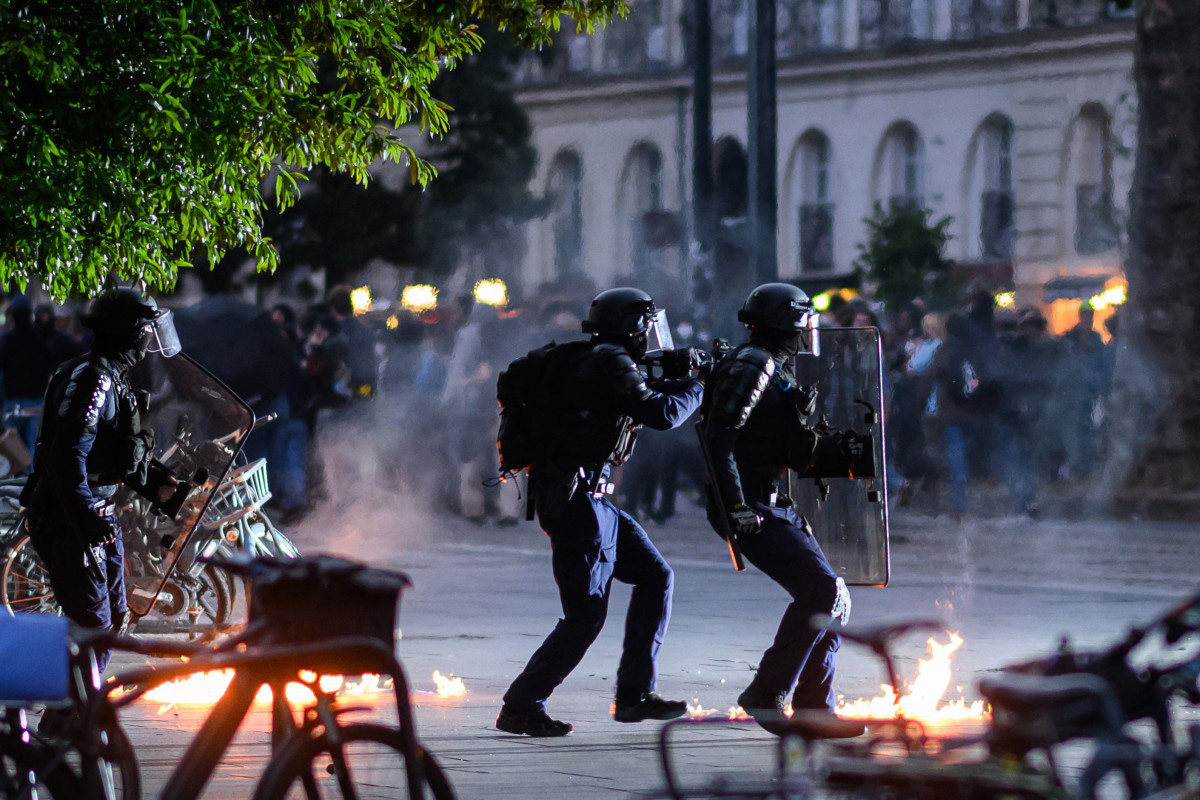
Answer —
783 313
127 325
628 316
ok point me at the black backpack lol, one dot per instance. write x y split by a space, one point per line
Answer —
525 417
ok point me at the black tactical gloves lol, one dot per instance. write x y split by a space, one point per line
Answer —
744 521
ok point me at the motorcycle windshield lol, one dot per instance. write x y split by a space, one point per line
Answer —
199 426
852 523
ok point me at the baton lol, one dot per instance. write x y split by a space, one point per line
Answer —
726 530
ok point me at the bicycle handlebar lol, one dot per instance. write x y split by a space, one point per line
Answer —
91 639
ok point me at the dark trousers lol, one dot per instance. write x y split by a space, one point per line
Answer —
585 564
799 656
90 591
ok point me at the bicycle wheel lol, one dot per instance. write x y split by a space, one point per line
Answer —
24 582
30 772
374 759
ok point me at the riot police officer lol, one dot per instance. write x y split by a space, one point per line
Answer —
593 399
91 441
755 423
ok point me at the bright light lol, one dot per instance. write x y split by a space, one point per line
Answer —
821 301
393 322
1006 299
491 292
360 300
419 297
1113 295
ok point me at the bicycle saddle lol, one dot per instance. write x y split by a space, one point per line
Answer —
1020 693
878 637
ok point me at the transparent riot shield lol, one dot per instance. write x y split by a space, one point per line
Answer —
851 523
199 426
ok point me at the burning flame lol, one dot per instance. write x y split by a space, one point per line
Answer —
923 698
206 688
449 685
696 710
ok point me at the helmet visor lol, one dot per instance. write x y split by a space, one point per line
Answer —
810 339
160 335
658 333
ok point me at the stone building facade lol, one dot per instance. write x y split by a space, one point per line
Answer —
1014 117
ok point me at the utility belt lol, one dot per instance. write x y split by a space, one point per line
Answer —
767 493
558 485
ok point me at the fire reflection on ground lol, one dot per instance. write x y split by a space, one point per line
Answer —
206 688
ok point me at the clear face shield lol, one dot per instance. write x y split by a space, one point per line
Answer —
159 335
658 334
809 337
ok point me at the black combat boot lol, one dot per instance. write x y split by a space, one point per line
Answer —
765 706
534 723
634 705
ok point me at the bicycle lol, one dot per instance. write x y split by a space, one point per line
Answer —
314 757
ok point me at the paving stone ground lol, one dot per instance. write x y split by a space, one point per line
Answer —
483 599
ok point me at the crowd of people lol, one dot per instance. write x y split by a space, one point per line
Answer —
979 396
976 397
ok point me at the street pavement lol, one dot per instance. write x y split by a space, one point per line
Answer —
483 599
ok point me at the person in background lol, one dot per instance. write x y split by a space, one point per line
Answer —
955 380
361 357
59 345
27 363
1087 363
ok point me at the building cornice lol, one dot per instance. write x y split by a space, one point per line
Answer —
912 59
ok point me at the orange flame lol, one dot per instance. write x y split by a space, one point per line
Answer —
449 685
206 688
923 699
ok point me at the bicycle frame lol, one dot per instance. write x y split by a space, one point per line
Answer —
273 666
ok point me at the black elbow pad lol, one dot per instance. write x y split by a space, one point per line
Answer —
741 386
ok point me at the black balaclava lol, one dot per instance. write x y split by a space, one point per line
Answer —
121 343
781 344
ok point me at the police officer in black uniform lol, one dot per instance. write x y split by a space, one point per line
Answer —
596 397
756 426
91 441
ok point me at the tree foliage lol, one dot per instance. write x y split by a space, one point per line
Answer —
136 133
484 164
904 254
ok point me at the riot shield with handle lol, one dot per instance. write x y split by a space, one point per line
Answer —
848 513
199 426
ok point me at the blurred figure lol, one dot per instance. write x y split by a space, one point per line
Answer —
58 345
1029 365
909 404
1087 364
955 381
286 440
361 358
27 364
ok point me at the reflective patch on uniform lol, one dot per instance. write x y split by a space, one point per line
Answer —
841 603
96 404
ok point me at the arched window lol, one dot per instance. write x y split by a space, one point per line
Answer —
565 188
990 198
639 195
816 203
900 167
1090 178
